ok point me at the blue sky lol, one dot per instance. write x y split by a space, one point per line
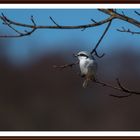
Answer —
21 50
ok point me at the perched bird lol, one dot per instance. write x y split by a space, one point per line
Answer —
88 67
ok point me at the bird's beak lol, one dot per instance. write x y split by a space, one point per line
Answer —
75 55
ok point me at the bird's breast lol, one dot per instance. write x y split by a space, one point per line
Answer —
87 66
83 66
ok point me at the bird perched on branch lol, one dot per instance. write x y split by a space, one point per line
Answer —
88 67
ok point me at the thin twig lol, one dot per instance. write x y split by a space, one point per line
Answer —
120 96
83 29
127 31
121 16
123 13
95 48
137 13
65 65
120 88
19 34
5 22
93 21
54 22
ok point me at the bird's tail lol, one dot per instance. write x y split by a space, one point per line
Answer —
85 84
86 81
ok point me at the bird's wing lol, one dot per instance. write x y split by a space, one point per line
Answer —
93 65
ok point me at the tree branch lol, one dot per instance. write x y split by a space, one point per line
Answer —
95 48
34 27
120 88
58 27
54 22
19 34
120 96
127 31
123 17
113 15
137 13
66 65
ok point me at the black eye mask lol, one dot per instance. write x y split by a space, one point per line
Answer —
83 55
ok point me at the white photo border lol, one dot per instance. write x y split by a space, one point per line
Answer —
69 133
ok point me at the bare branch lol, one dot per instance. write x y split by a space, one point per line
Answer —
120 88
113 13
5 22
99 56
125 89
19 34
107 85
95 48
55 22
127 31
93 21
120 96
32 19
35 27
137 13
123 13
66 65
58 27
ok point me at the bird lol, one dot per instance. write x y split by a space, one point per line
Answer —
88 66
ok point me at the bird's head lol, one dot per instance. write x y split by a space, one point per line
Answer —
83 55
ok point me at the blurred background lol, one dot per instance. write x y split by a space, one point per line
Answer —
35 96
